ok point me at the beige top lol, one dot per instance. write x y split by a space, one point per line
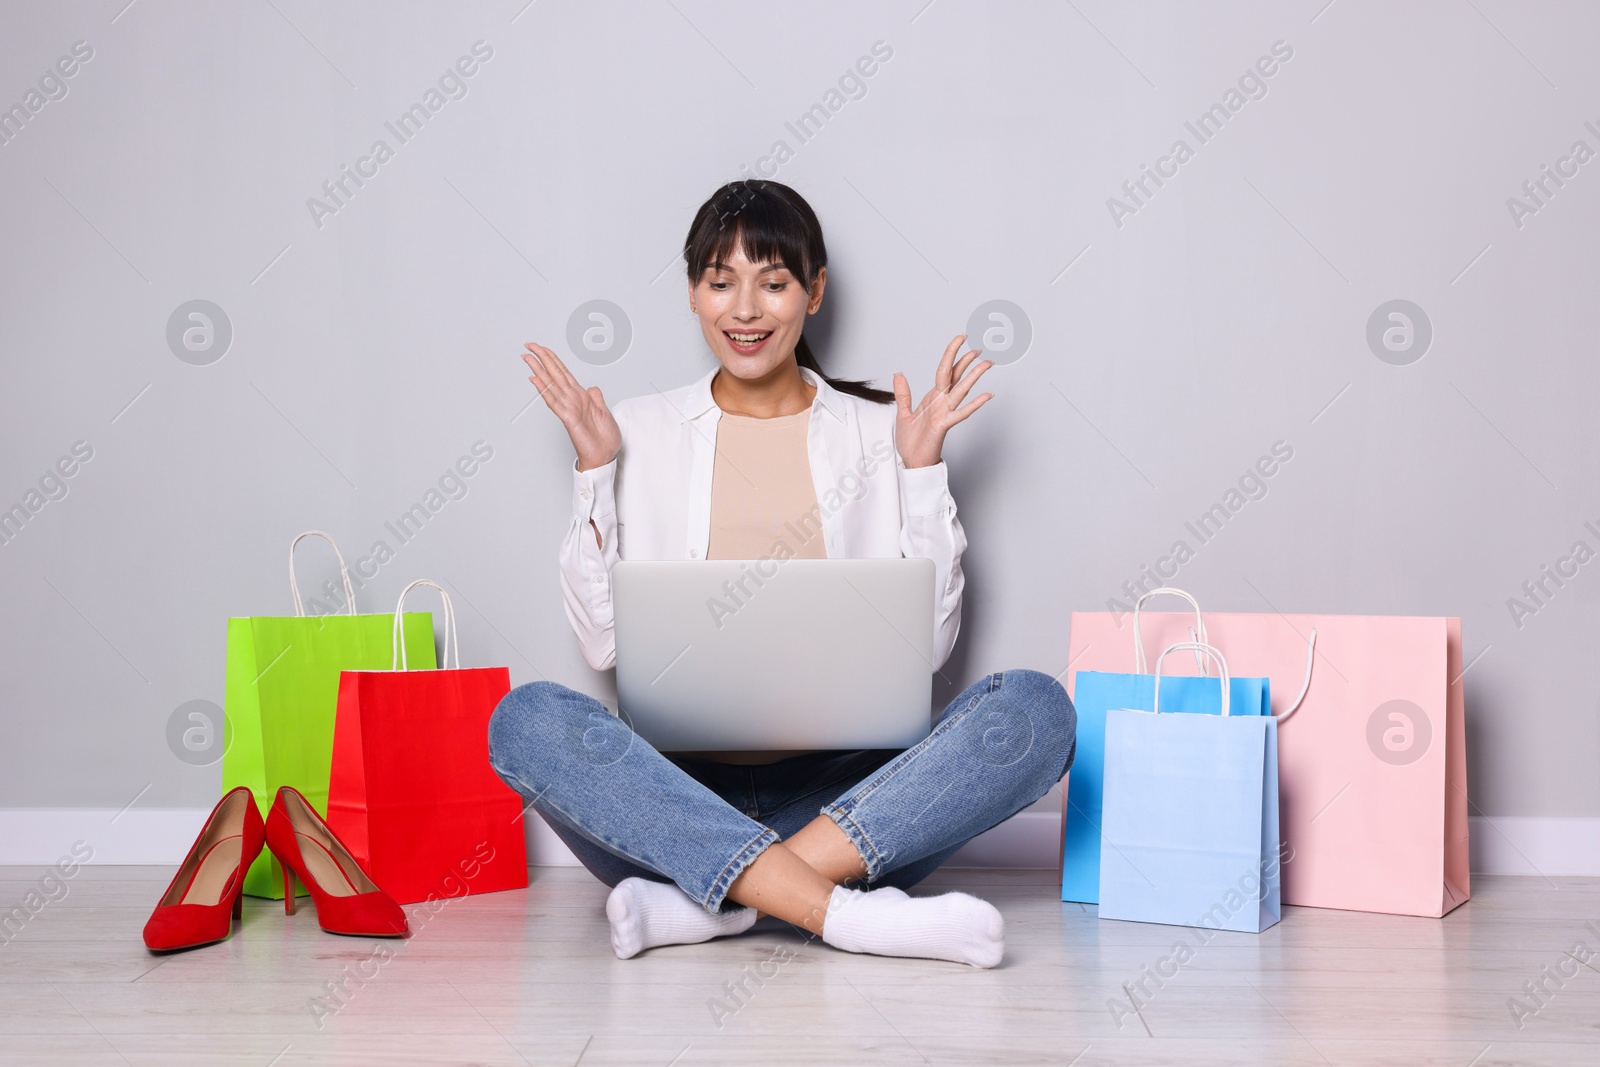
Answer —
763 506
763 502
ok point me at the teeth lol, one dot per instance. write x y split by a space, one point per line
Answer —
747 338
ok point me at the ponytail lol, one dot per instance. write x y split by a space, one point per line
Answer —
864 389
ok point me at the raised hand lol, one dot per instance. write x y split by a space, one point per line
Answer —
919 434
590 424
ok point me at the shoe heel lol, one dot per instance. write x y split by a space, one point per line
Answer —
310 853
238 905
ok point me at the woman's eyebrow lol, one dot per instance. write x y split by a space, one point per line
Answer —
719 265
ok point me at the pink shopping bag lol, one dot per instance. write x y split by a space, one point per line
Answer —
1372 758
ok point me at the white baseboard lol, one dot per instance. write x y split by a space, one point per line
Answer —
1517 844
132 836
1028 839
1501 844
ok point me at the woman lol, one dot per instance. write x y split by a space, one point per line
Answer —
719 470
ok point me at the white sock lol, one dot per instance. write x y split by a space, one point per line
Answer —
953 926
646 914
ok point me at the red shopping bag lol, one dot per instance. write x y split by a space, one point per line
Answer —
411 792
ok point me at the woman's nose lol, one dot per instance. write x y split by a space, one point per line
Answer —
745 307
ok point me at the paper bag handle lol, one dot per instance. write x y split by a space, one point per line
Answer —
450 645
1199 631
1199 648
1305 686
344 573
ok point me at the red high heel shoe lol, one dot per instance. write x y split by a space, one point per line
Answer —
348 902
206 894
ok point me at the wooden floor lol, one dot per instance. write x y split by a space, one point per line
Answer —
528 978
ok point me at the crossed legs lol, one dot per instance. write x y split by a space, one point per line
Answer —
624 807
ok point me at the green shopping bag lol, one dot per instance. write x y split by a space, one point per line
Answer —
283 691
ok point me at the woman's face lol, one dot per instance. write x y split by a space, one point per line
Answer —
752 313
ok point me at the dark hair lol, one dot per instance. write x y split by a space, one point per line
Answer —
772 223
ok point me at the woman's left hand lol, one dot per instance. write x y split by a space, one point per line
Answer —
920 434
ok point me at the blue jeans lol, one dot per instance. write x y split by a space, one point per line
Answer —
627 810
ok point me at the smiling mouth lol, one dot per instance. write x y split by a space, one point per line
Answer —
746 341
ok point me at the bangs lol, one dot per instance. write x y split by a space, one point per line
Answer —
754 219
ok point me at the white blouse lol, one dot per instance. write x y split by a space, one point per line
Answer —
657 505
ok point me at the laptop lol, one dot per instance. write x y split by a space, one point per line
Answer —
814 654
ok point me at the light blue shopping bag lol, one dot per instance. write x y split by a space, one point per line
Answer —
1190 820
1096 693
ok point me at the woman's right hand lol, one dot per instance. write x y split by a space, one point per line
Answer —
583 412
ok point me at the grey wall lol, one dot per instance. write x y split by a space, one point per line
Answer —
1170 347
